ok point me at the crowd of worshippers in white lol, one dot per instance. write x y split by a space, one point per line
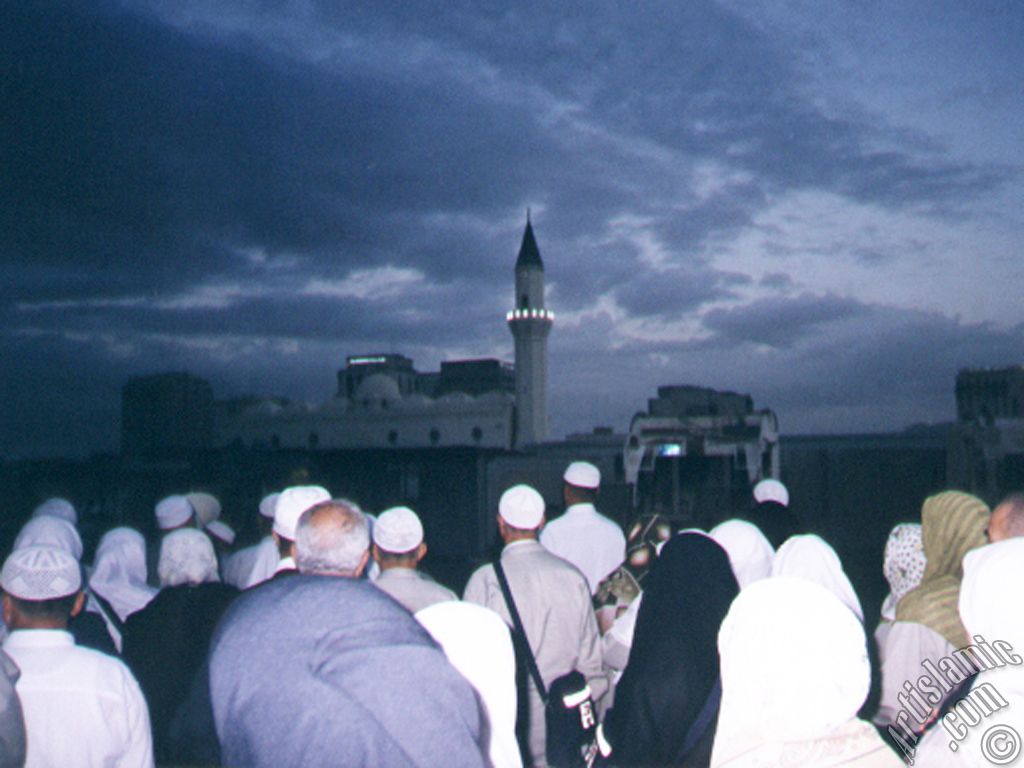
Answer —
325 644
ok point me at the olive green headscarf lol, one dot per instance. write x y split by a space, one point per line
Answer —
952 524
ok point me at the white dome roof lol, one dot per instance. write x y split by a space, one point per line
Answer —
378 386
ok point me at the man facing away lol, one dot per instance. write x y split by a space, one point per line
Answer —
1007 521
81 707
324 669
398 547
553 600
582 535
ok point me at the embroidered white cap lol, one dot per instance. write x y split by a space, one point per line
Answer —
292 503
771 490
398 530
40 573
267 505
582 474
172 512
521 507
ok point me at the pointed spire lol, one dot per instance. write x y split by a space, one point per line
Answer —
529 253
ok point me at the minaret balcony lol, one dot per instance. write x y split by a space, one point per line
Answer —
530 314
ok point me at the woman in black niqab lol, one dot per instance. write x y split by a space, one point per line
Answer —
673 666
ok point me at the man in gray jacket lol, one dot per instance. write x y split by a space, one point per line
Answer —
553 600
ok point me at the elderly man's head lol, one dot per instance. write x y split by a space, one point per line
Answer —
1007 521
332 538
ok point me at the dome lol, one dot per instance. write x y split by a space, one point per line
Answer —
378 387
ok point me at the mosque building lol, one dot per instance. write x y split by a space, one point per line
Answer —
382 401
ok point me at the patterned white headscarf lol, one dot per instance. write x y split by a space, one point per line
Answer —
903 565
186 557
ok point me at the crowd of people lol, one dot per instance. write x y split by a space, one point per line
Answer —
326 644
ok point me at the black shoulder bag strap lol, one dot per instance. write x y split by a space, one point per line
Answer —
107 611
527 652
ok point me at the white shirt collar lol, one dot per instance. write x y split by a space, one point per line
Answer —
584 507
39 638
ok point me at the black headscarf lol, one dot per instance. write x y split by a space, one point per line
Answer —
673 665
777 522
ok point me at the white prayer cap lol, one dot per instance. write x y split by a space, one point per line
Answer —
186 557
398 530
521 507
221 531
771 490
206 506
268 504
49 531
57 507
172 512
292 503
582 474
40 573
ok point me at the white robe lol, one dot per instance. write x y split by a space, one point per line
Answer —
588 540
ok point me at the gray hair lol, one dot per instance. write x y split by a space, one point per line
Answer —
331 538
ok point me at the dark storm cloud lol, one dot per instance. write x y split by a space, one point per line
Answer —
251 191
779 322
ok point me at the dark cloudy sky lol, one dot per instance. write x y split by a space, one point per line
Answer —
812 201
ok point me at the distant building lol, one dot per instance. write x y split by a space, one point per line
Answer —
986 451
984 395
166 414
382 401
696 453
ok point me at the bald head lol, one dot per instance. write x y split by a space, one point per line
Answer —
1007 521
332 538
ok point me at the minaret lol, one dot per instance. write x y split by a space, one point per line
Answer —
530 324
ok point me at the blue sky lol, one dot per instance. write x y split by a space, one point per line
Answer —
816 203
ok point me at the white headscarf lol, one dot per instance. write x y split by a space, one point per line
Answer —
903 565
49 531
991 596
186 557
750 553
478 644
119 571
809 557
795 671
57 507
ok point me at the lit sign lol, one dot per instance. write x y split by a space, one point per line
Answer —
366 360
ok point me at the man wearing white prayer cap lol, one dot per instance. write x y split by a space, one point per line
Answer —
81 707
582 535
771 512
398 547
173 512
553 600
57 507
207 507
289 508
255 564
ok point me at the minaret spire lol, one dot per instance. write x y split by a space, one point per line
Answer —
530 324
